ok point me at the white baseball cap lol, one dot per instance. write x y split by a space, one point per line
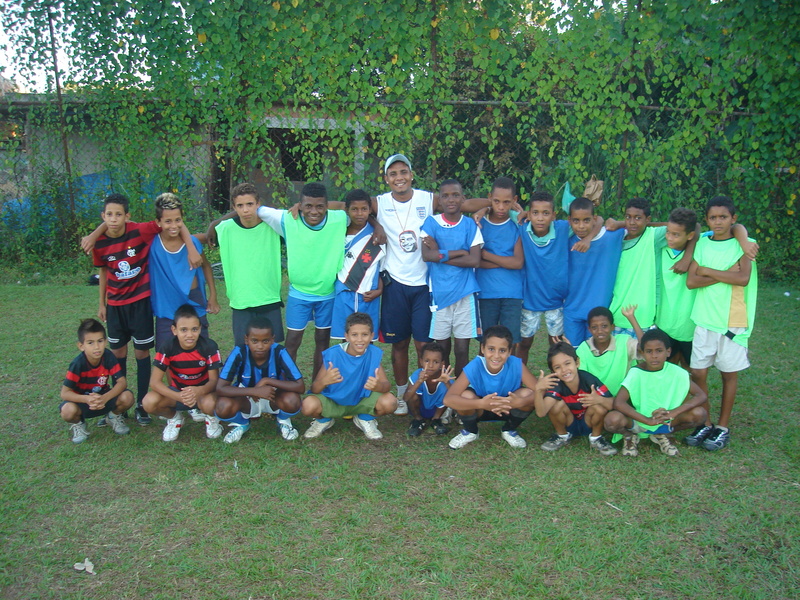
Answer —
396 158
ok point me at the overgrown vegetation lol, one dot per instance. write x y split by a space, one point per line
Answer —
674 101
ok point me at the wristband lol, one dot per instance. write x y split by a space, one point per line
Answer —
444 256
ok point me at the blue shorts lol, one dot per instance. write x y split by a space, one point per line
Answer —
88 413
405 312
345 304
300 312
502 311
427 413
576 329
579 428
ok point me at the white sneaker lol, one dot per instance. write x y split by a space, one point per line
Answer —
287 430
197 415
462 439
316 428
514 439
402 407
370 428
235 434
173 427
213 428
117 424
79 432
447 416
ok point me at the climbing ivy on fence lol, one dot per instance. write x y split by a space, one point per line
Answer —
674 101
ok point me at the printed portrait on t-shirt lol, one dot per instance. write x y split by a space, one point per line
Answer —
408 241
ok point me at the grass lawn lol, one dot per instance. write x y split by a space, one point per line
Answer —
341 517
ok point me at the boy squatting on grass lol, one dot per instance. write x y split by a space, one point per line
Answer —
490 389
607 355
656 398
259 377
120 248
351 382
88 391
575 401
724 311
427 388
191 364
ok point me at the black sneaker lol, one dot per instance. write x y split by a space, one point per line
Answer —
698 436
416 428
439 428
717 440
142 418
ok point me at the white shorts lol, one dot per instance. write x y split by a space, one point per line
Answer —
716 349
532 319
258 407
459 320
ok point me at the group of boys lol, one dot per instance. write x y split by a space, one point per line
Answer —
391 263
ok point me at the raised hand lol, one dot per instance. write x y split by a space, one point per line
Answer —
372 381
447 374
545 382
332 375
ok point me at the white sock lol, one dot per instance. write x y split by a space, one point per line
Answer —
593 438
563 437
401 390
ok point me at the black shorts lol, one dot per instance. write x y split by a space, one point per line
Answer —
88 413
685 348
131 321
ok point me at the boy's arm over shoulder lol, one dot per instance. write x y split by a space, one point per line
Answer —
88 242
749 246
272 217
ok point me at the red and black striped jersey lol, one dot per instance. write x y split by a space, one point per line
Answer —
585 382
186 368
125 259
83 378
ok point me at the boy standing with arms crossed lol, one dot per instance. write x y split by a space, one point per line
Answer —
451 245
724 311
500 276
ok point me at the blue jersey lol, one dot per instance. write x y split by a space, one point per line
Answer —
546 264
500 239
448 283
509 379
429 400
240 368
592 274
355 371
171 279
